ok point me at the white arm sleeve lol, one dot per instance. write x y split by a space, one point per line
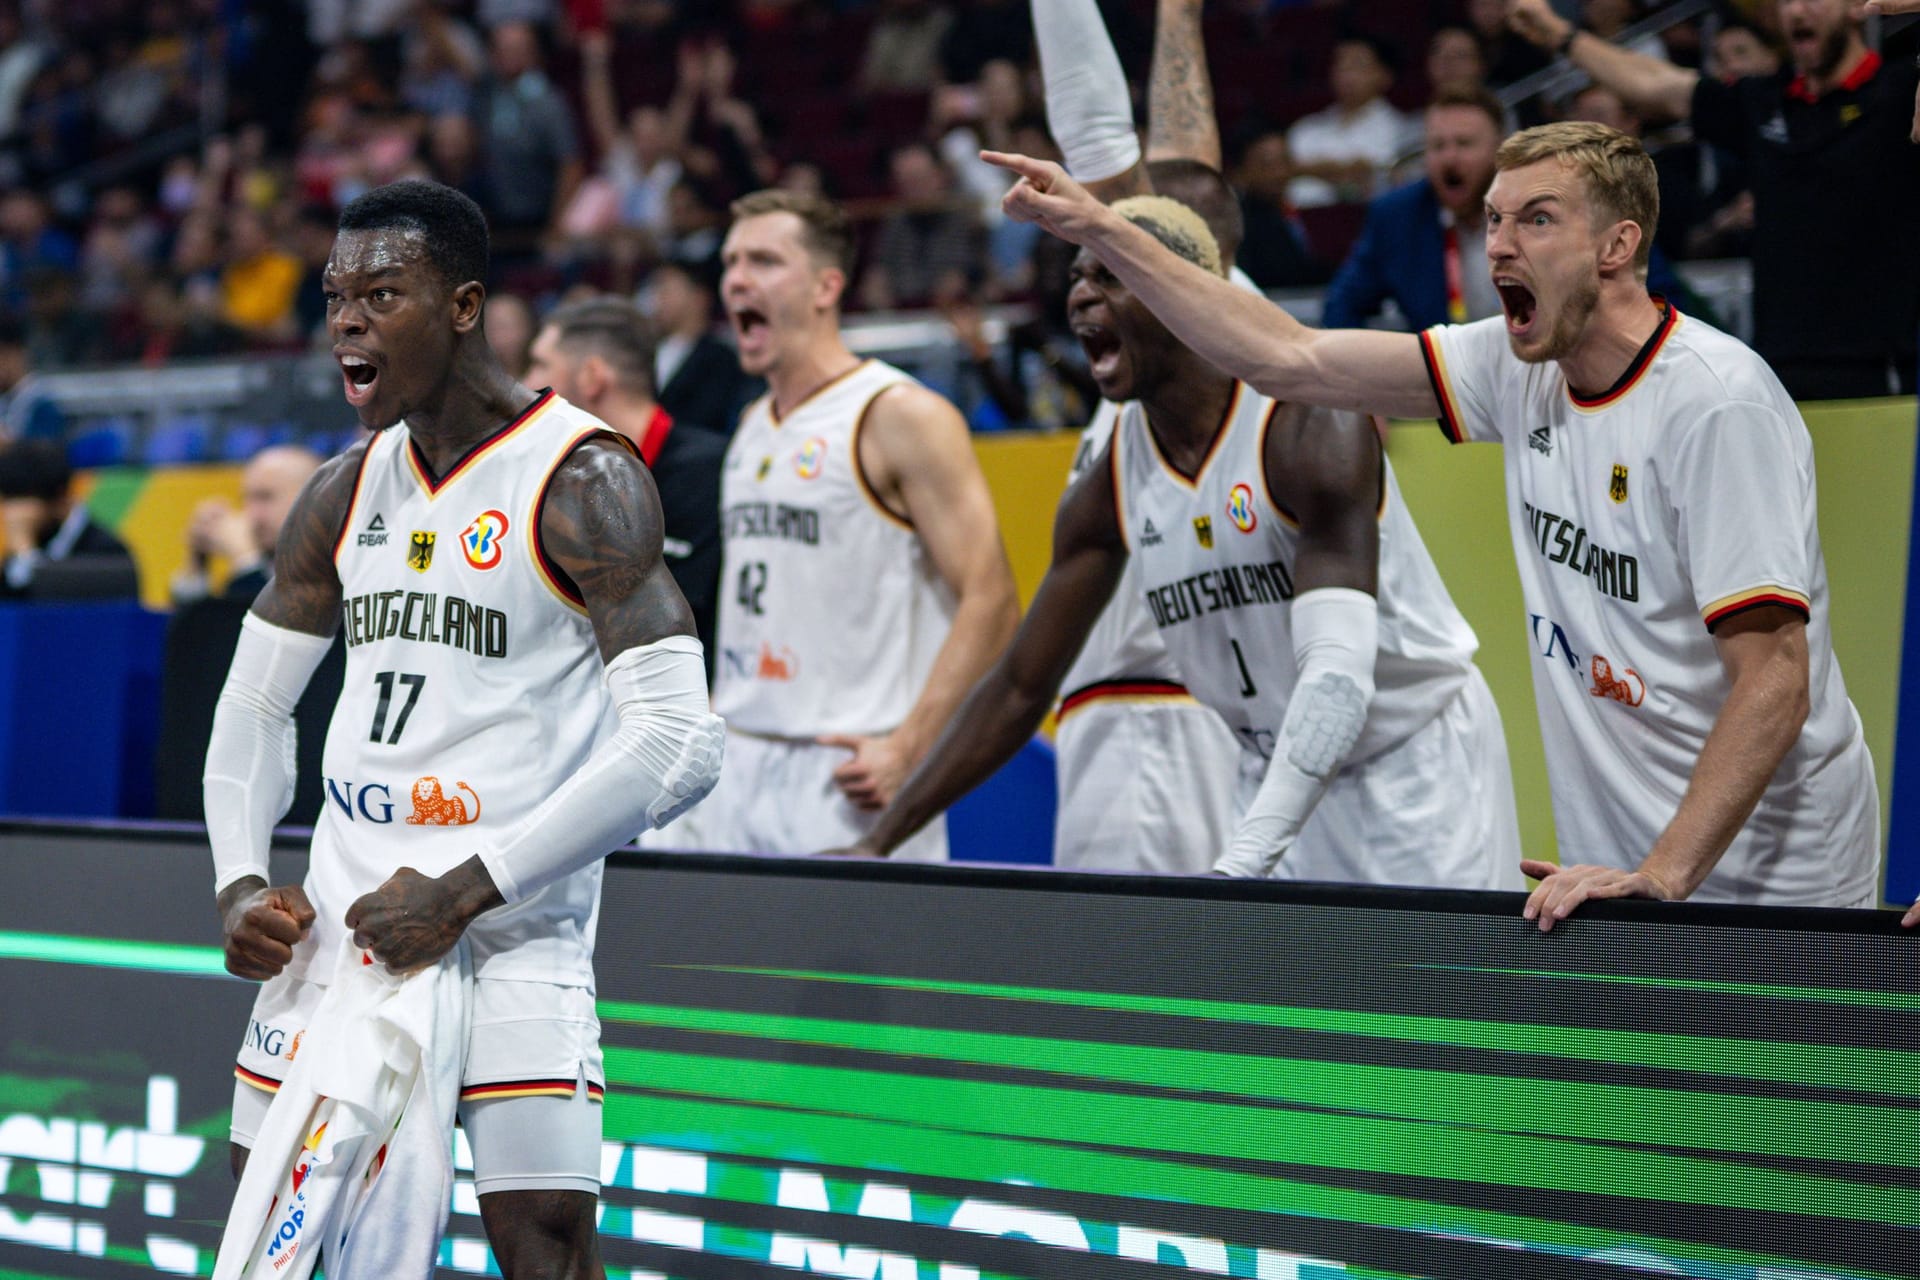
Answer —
248 780
1336 632
664 757
1089 110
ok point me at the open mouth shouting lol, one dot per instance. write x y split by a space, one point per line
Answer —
1103 349
751 330
1518 302
359 375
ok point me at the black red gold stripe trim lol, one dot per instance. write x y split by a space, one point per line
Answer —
1219 437
552 574
353 499
1442 389
1132 690
424 474
861 482
530 1089
773 408
266 1084
1741 601
1641 362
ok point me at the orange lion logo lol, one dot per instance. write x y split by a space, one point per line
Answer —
1630 688
433 807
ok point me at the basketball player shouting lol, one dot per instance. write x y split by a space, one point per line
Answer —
863 587
1293 592
1661 494
523 692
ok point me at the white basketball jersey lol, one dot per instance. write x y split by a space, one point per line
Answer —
1215 557
831 611
473 689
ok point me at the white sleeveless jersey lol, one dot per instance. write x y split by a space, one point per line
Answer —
831 611
1215 558
474 687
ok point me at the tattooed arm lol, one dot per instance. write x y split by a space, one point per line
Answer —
602 526
1180 118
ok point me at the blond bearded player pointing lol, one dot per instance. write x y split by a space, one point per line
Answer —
1660 491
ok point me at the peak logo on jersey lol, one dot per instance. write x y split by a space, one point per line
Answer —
1628 687
375 534
1240 508
433 807
810 459
1617 486
1203 531
1540 440
1150 536
420 550
766 466
480 541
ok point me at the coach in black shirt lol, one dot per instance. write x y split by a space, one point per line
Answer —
1836 308
598 355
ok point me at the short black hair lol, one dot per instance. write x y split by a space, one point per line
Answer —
1202 188
34 469
616 331
451 225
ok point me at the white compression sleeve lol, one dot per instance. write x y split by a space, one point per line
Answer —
1336 633
662 760
249 776
1089 111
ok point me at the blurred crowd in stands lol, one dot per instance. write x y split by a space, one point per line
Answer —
170 169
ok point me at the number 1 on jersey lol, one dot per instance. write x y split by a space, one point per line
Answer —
385 680
1239 660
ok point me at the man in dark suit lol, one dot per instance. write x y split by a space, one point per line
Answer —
54 549
599 355
246 537
697 372
1424 244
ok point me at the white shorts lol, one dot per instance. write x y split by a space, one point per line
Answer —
777 795
1436 810
529 1096
1144 786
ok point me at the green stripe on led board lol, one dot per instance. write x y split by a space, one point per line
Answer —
114 953
1899 1001
1895 1072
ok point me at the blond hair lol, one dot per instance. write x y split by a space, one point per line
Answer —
1175 225
825 228
1621 183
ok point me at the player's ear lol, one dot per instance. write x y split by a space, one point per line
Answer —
592 379
469 300
1619 245
828 285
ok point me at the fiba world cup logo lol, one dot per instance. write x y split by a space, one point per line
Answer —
1240 508
480 541
810 459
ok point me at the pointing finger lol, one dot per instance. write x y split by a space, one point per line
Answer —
1038 172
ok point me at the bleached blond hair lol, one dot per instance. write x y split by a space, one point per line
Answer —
1176 226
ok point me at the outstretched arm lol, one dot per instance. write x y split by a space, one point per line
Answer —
1647 84
249 776
1238 332
1089 109
601 525
1181 124
1324 467
1006 707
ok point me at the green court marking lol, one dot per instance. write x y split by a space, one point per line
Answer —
1507 1104
1899 1001
1180 1128
114 953
768 1133
1895 1072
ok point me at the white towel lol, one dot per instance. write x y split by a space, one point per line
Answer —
355 1156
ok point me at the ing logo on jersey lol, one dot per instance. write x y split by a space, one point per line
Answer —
480 541
1617 487
810 459
1240 509
420 551
433 807
1203 531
